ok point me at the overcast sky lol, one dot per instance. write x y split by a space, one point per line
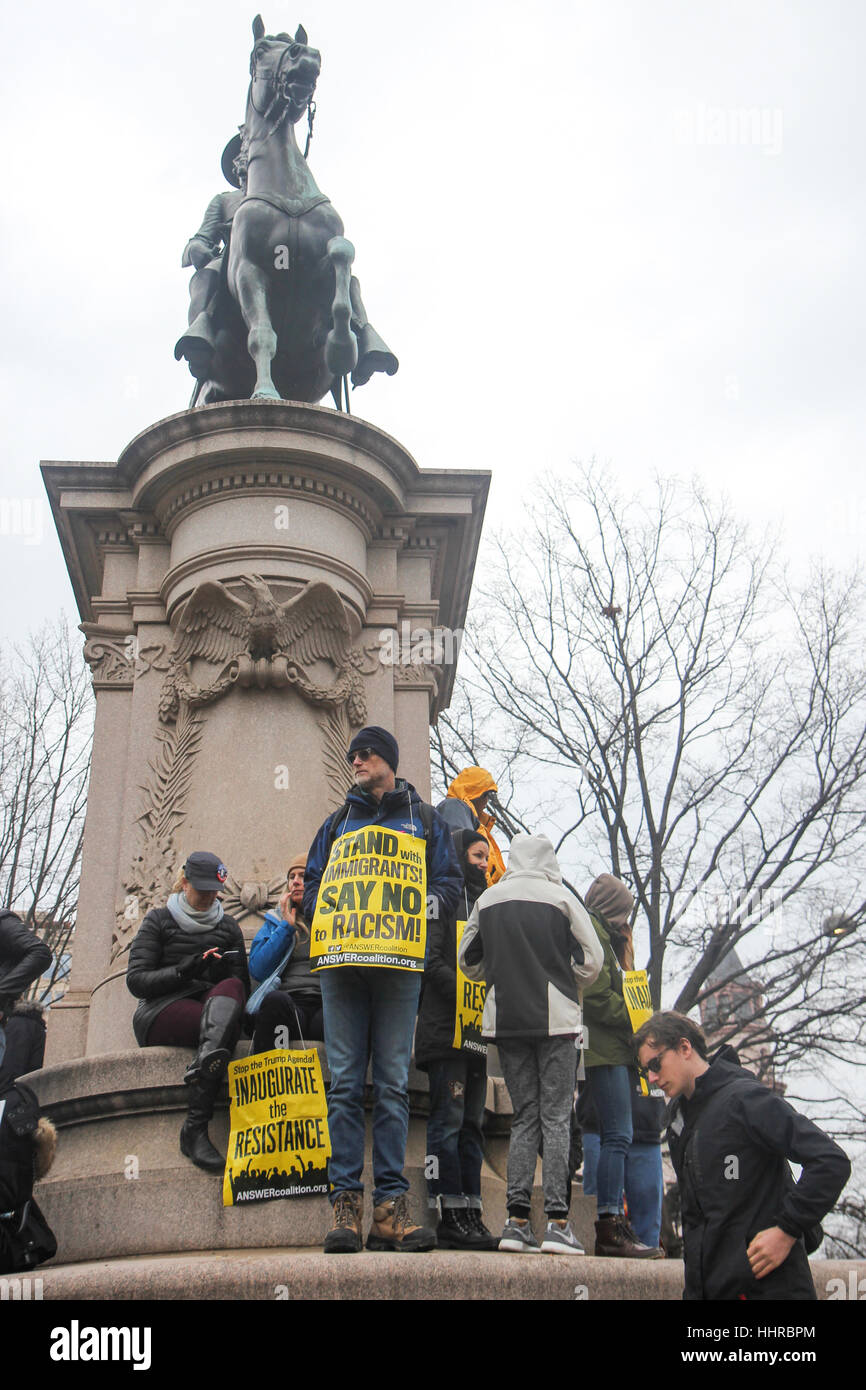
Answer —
586 227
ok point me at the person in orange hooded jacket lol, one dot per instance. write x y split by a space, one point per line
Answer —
464 809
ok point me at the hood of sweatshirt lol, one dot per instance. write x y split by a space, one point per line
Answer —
532 854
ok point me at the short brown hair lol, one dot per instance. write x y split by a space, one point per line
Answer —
669 1029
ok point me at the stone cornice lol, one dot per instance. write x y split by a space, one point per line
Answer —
201 456
280 482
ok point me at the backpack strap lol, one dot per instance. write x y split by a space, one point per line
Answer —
332 827
425 815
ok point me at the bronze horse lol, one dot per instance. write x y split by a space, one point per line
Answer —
288 319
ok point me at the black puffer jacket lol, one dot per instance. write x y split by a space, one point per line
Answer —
162 964
23 957
730 1144
25 1041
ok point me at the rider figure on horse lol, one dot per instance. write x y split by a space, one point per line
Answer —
206 250
291 326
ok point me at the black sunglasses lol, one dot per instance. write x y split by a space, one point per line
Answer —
363 753
653 1066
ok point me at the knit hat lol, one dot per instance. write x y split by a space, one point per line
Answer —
299 862
377 739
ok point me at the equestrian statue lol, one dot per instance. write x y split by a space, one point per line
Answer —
275 312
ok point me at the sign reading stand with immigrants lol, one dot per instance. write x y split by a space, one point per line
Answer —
371 908
279 1144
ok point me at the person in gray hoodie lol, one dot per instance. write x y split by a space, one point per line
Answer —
533 942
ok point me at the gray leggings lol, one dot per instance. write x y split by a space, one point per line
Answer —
539 1074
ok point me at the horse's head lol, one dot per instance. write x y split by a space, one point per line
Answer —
284 70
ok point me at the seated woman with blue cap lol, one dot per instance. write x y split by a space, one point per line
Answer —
188 969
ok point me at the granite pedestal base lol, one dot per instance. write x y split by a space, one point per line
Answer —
120 1186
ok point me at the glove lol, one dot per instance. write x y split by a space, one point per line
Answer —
191 968
216 970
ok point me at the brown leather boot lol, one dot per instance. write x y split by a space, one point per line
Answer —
614 1236
394 1229
344 1237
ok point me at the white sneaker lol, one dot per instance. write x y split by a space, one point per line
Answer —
561 1240
519 1238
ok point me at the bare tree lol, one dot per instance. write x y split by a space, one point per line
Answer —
681 716
46 713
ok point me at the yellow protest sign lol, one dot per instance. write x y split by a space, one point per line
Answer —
638 1001
278 1143
371 908
470 1007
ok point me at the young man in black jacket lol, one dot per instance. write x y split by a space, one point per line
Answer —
746 1223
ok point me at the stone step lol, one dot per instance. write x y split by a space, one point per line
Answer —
292 1274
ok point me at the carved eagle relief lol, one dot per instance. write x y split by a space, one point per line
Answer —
263 643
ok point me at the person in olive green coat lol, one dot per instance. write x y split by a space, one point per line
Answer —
607 1056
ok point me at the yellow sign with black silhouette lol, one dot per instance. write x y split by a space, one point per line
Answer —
278 1144
371 908
470 1008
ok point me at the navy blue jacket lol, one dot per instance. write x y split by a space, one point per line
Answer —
397 810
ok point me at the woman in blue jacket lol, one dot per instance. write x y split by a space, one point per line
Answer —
295 1006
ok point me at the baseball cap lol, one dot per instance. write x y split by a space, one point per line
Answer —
206 872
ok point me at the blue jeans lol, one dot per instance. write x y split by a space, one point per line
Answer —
643 1184
458 1090
369 1011
611 1092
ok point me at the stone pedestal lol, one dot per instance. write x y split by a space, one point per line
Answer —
256 581
119 1185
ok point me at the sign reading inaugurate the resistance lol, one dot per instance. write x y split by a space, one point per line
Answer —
371 908
279 1144
470 1009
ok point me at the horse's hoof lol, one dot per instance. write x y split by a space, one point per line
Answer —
266 395
341 354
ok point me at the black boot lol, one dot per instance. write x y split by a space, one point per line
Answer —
454 1231
194 1142
218 1032
486 1239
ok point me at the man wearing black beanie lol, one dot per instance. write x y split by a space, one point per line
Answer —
372 1005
